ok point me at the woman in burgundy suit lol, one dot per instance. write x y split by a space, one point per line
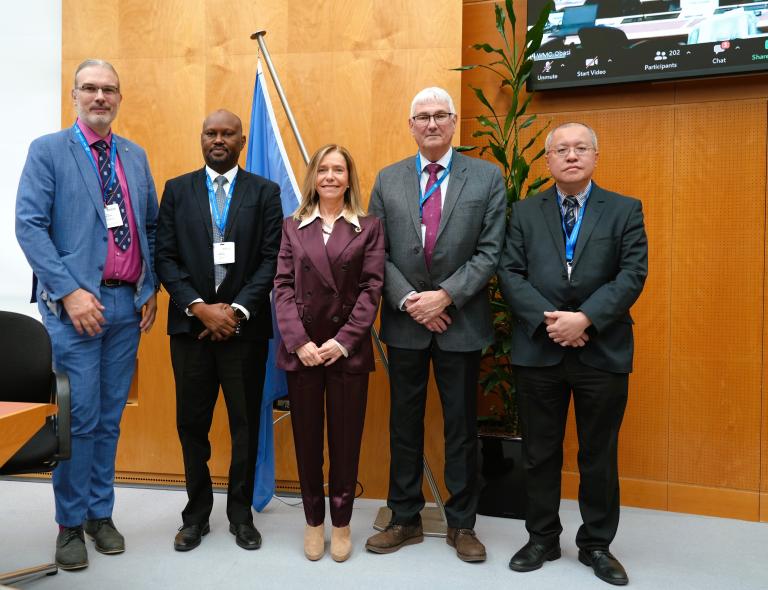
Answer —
330 272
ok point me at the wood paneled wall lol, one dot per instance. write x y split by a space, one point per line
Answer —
695 436
349 69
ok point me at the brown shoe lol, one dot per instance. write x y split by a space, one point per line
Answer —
394 537
468 546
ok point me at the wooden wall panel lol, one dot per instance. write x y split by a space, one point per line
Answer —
717 290
349 81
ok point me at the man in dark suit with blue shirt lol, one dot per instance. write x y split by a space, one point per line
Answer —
574 262
86 214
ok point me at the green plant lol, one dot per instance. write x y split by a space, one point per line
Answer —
503 134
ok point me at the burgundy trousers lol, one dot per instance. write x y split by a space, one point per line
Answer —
312 392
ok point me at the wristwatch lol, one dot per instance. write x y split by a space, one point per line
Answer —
239 314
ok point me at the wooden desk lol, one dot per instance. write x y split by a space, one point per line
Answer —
18 423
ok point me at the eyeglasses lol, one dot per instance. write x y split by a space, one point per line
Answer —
579 150
107 91
422 120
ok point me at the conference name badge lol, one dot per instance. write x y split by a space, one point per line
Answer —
223 252
112 213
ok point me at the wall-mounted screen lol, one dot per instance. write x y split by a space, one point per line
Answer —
592 42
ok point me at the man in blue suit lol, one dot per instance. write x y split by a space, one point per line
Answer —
86 213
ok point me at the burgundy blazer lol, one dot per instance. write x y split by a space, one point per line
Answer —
329 290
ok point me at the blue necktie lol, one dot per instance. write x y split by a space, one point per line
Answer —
113 194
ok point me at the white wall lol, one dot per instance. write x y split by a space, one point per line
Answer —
30 106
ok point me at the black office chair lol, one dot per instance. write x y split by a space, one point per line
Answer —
27 376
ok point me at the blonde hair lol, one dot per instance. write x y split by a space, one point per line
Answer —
309 197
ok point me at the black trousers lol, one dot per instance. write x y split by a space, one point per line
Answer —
456 374
599 399
200 367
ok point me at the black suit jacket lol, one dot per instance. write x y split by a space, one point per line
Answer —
610 265
185 250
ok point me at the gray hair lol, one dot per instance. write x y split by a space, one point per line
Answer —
548 141
432 94
91 62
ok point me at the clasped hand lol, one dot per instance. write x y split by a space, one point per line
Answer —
311 355
428 309
218 318
566 328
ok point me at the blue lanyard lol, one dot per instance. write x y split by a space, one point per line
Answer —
220 219
422 197
105 187
570 241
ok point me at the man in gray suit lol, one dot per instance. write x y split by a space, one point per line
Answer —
443 215
575 261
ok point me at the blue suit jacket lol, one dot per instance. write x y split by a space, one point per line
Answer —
60 223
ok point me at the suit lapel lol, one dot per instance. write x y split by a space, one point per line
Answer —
553 221
90 178
200 191
455 184
311 237
241 185
411 192
128 162
592 213
343 233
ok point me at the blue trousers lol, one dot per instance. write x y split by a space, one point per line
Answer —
100 370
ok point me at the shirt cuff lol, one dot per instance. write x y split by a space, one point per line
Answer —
241 308
343 350
401 306
189 313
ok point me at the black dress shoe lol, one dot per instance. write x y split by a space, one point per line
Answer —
606 566
246 535
190 536
533 555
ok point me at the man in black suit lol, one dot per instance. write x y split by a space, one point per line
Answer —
574 262
217 242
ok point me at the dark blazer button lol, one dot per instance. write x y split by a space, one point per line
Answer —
422 284
335 319
335 295
345 266
308 320
306 268
309 293
416 250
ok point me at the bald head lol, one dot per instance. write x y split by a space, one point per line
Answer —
222 140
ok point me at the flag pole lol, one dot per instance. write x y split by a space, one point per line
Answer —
433 524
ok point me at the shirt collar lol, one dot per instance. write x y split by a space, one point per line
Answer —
348 216
229 174
581 197
444 161
91 136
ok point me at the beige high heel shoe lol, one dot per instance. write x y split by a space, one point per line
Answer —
314 542
341 543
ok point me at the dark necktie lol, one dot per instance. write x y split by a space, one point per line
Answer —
113 194
570 213
219 270
431 212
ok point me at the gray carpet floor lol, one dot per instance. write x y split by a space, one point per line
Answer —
661 551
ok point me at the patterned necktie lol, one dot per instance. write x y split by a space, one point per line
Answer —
113 194
431 212
570 213
219 270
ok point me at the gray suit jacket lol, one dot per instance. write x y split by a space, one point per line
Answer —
610 265
467 250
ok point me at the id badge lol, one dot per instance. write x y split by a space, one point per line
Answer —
423 234
112 213
223 252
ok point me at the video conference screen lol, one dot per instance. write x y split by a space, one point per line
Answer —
593 42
